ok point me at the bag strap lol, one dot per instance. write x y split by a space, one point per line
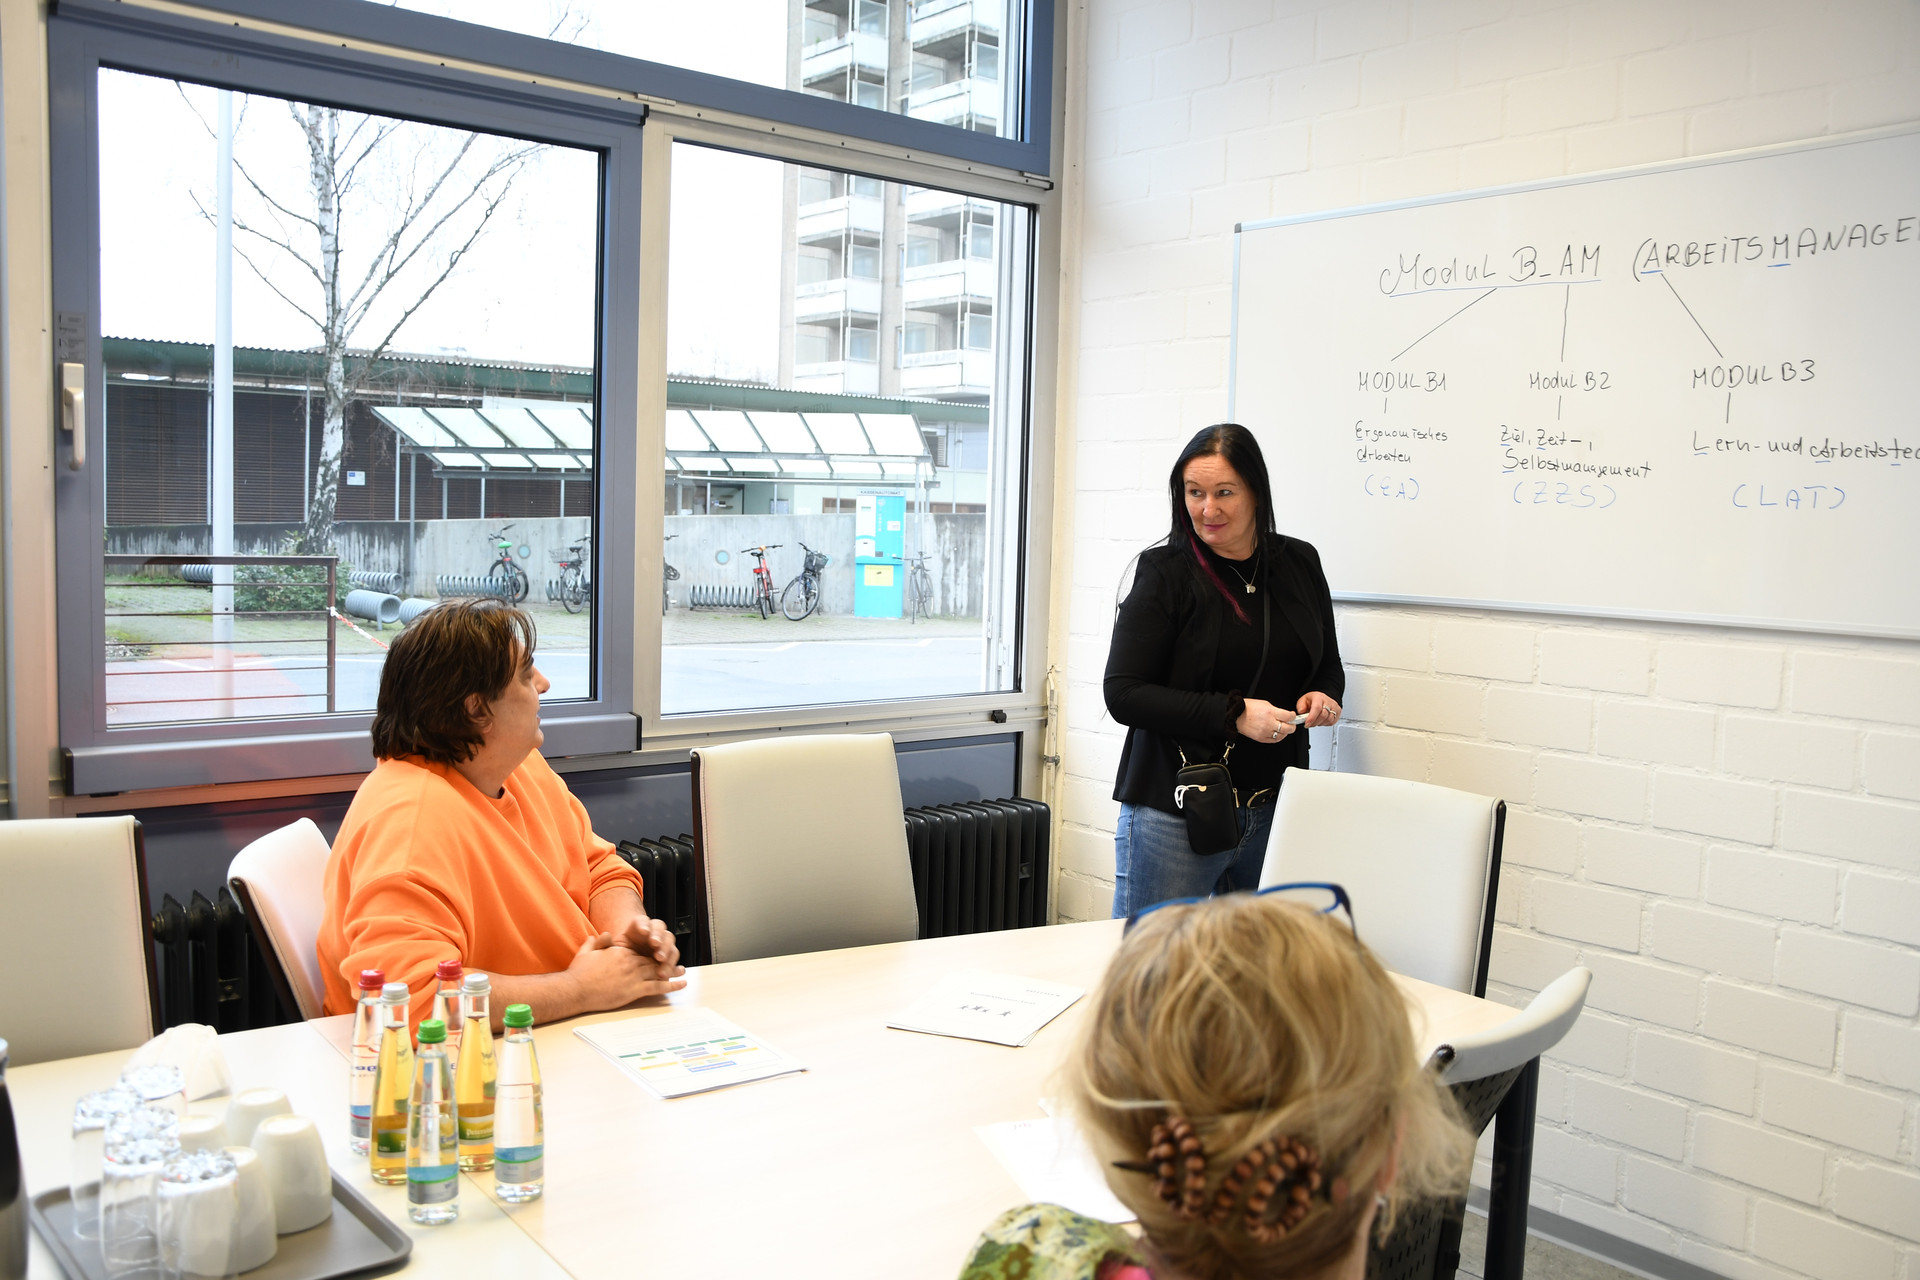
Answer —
1266 637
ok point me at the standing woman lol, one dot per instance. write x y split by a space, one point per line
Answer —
1225 638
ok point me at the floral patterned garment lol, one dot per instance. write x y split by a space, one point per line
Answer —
1047 1242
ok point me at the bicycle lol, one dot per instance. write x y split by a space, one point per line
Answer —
763 579
575 591
667 574
802 596
515 584
919 587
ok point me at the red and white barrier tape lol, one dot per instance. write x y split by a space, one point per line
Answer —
350 622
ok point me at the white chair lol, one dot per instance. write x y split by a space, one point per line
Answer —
801 845
1495 1076
280 882
1422 864
76 940
1521 1038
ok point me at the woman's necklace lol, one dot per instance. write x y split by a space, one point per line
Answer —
1245 581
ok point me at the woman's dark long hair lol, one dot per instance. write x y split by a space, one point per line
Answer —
1235 445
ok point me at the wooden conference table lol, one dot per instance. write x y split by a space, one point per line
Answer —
864 1165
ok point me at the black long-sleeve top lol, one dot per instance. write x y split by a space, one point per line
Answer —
1179 658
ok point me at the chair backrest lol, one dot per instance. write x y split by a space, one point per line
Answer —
801 845
280 880
1422 864
76 938
1521 1038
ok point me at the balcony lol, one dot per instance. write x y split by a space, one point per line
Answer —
945 283
959 373
969 103
926 204
847 377
823 219
833 57
940 19
832 299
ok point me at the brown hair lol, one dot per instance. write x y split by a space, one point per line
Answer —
454 650
1254 1019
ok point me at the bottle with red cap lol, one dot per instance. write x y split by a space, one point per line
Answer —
366 1056
446 1004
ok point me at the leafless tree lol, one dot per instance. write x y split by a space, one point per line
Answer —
438 191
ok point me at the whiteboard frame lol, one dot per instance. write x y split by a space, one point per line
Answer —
1742 621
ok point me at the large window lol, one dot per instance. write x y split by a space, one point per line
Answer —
333 346
334 351
369 305
811 398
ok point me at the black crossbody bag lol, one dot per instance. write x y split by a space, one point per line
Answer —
1203 792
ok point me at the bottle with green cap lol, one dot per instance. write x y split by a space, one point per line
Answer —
433 1142
392 1084
519 1128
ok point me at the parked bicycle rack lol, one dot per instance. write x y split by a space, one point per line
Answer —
468 584
706 596
385 583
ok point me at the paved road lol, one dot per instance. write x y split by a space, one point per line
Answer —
696 677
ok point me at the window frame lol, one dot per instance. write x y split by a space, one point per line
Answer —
1027 149
1027 584
81 40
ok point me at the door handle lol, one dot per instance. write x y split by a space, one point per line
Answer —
73 401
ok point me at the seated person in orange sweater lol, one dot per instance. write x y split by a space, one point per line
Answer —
464 844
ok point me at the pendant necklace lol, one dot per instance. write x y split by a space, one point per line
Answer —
1245 581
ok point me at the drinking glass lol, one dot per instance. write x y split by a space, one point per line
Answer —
90 1116
158 1085
128 1173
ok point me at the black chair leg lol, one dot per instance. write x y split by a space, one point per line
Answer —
1512 1178
1447 1257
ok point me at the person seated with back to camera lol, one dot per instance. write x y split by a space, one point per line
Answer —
1246 1075
464 843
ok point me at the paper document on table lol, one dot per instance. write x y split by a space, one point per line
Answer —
1051 1161
686 1051
996 1007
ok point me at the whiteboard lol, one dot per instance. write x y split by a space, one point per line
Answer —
1680 392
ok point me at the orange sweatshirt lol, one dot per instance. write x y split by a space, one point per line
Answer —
426 869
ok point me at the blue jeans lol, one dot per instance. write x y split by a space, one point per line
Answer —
1152 860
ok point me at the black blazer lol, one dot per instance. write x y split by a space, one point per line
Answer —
1165 641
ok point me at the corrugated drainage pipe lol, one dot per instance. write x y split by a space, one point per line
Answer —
412 607
374 605
200 573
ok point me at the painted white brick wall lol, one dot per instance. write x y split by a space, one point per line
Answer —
1724 824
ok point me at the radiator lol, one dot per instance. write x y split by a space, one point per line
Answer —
977 867
208 968
665 865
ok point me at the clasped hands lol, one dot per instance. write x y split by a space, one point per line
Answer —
1262 721
636 959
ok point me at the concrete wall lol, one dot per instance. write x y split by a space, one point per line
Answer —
1723 824
439 546
957 544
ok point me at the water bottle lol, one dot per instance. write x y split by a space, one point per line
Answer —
366 1057
519 1127
446 1004
433 1144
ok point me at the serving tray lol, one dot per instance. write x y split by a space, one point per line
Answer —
356 1238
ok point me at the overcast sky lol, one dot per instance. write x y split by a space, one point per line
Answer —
525 291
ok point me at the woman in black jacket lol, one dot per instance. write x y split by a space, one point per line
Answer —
1186 644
